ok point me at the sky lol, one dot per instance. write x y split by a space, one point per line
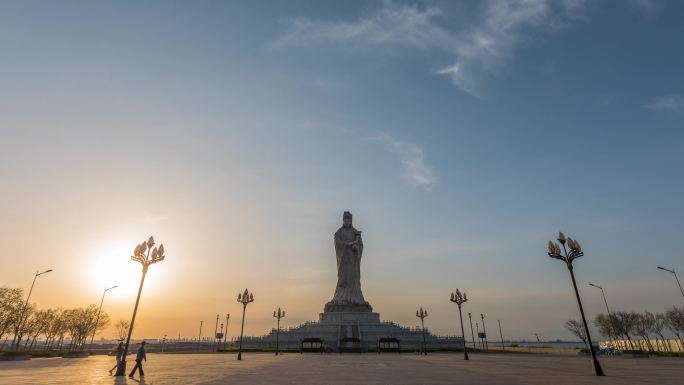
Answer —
462 135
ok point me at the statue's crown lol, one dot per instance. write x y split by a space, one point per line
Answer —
346 214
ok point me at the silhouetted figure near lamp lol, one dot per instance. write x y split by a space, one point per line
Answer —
140 356
119 354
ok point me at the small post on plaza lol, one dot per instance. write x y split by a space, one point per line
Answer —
568 257
501 335
278 315
225 335
199 338
245 299
219 337
214 342
459 299
97 320
146 256
472 334
163 343
484 331
422 314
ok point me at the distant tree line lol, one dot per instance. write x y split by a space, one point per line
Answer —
631 326
57 328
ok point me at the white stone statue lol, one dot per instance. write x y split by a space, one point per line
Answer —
348 248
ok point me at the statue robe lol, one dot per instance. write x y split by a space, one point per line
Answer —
348 290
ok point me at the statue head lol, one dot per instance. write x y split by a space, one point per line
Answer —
346 219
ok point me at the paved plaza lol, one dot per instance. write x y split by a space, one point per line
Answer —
257 369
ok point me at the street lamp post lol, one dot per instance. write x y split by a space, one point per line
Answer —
459 299
163 343
245 299
15 343
501 335
484 331
199 338
98 314
472 334
604 296
225 335
568 258
146 256
214 344
479 340
422 314
677 278
278 315
218 342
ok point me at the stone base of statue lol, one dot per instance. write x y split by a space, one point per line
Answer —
334 307
348 317
363 331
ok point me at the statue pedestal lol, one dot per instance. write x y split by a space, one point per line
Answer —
339 318
347 308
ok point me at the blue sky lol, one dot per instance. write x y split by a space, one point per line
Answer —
462 135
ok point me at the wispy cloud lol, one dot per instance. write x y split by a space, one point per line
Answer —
487 45
405 25
417 170
481 46
646 6
673 103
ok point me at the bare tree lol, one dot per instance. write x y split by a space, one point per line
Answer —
11 302
675 322
122 329
608 326
643 323
21 328
659 323
626 323
577 328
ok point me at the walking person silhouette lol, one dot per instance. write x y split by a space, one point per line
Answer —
119 354
140 356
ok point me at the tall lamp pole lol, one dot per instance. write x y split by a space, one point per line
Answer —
472 334
459 299
479 340
245 299
98 314
199 338
604 296
15 343
278 315
225 335
146 256
675 274
484 331
215 340
422 314
218 343
501 335
568 257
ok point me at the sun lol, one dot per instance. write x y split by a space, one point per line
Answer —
113 266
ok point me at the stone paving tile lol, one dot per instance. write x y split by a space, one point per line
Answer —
371 369
173 369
